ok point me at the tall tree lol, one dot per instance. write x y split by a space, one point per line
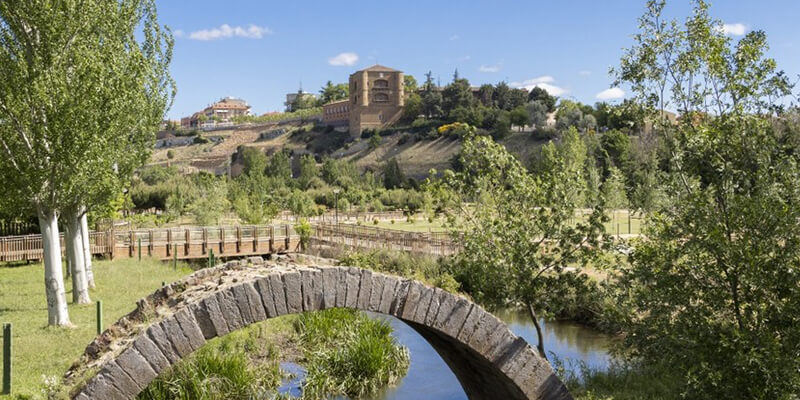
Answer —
84 88
539 94
714 282
431 98
331 92
517 228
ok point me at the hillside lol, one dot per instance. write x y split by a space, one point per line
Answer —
416 155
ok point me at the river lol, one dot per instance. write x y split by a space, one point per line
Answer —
430 378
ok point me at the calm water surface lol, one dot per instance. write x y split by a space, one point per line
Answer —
430 378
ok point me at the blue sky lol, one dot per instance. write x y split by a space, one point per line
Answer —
261 50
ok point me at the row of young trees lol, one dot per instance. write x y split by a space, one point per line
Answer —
267 186
85 85
710 296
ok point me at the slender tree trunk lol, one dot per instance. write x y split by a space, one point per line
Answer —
57 313
87 250
74 243
539 335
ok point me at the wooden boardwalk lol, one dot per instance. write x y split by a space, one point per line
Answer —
367 237
168 243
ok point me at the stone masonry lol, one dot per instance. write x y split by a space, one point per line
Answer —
489 360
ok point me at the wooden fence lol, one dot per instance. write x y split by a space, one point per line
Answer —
367 237
167 243
9 228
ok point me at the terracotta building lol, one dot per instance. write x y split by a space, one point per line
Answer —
336 113
376 100
223 111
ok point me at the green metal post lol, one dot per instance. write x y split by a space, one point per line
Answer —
175 258
163 283
7 359
99 317
139 247
211 258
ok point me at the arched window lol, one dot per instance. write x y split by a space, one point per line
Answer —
381 83
381 97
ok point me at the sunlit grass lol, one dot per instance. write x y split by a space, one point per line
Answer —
42 351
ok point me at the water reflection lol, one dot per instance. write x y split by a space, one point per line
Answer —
430 378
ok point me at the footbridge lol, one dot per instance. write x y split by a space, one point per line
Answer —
489 361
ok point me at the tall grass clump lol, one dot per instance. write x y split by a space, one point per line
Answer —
619 381
416 266
349 354
237 366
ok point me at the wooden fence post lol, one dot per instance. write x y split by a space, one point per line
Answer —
99 317
187 244
7 352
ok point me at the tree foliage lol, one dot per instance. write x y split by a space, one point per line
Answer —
714 284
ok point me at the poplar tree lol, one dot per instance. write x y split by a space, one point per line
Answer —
84 86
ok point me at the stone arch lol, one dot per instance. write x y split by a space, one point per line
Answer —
489 361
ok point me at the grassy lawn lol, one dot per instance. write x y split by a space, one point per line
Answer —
41 351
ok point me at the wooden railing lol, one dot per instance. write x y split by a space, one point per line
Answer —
167 243
367 237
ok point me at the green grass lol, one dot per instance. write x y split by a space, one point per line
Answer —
620 382
349 354
45 351
244 364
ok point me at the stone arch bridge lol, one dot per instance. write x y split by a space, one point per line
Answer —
489 361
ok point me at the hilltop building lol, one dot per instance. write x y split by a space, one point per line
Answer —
376 100
292 97
222 111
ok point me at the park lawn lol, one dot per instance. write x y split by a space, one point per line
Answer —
42 351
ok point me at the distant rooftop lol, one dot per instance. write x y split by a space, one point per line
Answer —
381 68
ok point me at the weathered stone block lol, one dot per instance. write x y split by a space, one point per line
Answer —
255 260
156 334
254 300
480 339
387 297
158 362
175 335
278 294
433 309
100 387
473 320
136 367
229 309
294 292
208 310
267 300
365 289
458 315
423 305
377 292
353 282
243 304
190 329
329 281
120 380
311 287
341 286
399 301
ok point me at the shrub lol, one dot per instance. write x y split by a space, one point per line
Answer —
349 354
375 221
170 154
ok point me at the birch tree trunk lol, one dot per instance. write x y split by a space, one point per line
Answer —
75 254
87 251
57 313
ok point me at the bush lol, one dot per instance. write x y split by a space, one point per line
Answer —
170 154
404 139
349 354
375 221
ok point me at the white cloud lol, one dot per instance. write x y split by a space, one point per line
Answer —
737 29
611 94
455 37
465 58
584 73
343 60
489 68
178 33
545 82
226 31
